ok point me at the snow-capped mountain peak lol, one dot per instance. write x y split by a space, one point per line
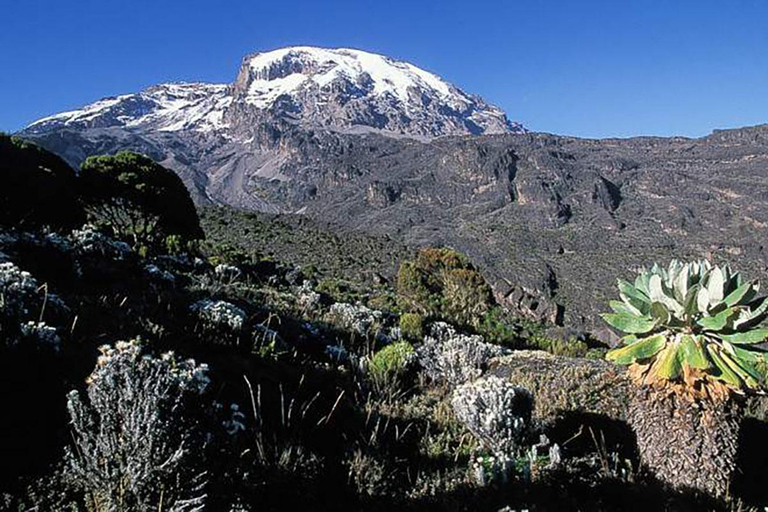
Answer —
337 89
285 70
344 89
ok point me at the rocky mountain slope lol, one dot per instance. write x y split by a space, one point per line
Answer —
220 138
552 220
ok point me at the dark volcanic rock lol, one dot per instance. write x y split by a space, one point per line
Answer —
532 210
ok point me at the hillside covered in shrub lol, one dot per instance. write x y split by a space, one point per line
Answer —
157 358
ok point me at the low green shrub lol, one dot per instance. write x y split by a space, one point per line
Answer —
412 326
571 347
228 254
388 367
497 328
338 290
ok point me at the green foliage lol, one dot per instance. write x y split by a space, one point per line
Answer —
692 321
300 423
225 253
571 347
412 326
140 200
37 188
339 290
391 360
412 289
299 241
388 367
173 244
466 296
310 272
442 282
385 299
498 329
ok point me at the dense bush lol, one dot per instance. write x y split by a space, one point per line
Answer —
38 188
229 254
411 326
496 412
442 282
457 358
140 200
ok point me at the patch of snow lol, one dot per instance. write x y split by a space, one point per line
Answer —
166 107
262 93
322 67
85 113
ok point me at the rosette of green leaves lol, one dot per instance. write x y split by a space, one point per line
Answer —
693 319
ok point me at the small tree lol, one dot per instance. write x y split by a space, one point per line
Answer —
136 442
141 201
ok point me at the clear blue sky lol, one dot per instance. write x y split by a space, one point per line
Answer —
589 68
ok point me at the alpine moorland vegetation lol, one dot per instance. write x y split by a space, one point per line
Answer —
142 373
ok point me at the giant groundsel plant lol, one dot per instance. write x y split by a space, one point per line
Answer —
692 323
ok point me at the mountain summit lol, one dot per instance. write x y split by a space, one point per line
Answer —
346 88
337 89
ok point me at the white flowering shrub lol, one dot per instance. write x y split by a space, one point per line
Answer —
41 334
441 331
21 297
91 253
357 318
88 240
308 299
136 445
495 412
218 313
457 359
18 289
227 272
488 469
